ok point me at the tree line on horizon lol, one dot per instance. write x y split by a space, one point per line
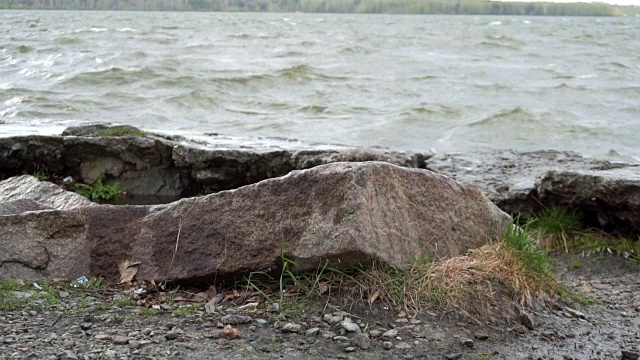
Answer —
468 7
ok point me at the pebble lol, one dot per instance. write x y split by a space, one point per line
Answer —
349 349
481 335
403 346
120 340
375 333
361 340
103 337
527 320
453 356
86 326
341 338
387 345
232 319
467 342
390 334
292 328
630 355
350 326
171 335
312 332
68 356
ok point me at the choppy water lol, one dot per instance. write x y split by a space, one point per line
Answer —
458 83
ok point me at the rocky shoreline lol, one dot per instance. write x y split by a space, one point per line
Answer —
257 207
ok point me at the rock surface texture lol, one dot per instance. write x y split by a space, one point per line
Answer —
342 212
607 193
611 197
27 187
172 166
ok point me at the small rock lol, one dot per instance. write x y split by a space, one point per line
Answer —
630 355
120 340
481 335
233 319
9 340
341 338
387 345
375 333
292 328
68 356
467 342
403 346
86 326
389 334
312 332
274 307
575 313
454 356
103 337
350 326
134 344
332 319
171 335
527 320
133 334
638 308
361 340
327 334
349 349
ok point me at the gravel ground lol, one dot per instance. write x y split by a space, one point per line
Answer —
85 325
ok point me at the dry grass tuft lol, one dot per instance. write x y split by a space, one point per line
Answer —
462 282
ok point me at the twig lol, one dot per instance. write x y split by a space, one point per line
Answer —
58 319
173 257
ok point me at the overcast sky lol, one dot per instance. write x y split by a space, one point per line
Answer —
617 2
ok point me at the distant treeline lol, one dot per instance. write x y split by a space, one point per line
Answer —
470 7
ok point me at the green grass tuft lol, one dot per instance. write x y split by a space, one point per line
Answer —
185 311
148 311
555 227
125 302
99 191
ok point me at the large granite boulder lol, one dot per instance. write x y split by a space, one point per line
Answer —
346 213
608 198
20 206
27 187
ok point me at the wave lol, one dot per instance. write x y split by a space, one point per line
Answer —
314 109
65 40
497 45
514 115
297 73
195 98
112 76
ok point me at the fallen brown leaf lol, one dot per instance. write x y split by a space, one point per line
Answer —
375 296
20 282
128 270
323 286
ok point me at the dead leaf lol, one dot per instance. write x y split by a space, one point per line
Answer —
201 297
375 296
323 286
230 332
181 298
20 282
128 270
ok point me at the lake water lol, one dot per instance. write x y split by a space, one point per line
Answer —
449 83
